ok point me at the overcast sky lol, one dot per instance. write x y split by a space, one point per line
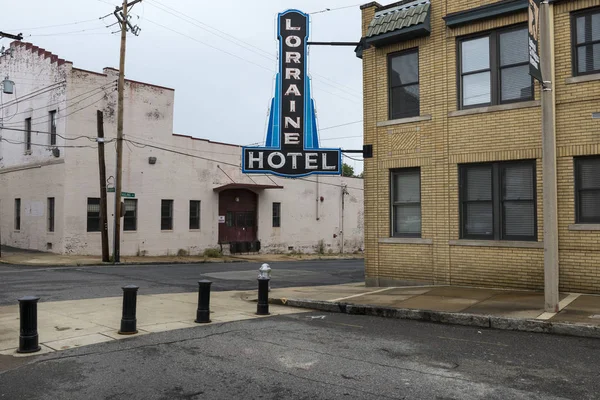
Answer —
218 96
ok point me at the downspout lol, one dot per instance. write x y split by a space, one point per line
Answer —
344 193
317 201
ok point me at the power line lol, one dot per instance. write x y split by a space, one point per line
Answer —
335 9
352 158
142 145
342 137
29 95
49 133
55 26
99 88
337 126
265 54
46 145
73 112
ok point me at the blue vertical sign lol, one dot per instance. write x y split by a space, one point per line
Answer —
292 146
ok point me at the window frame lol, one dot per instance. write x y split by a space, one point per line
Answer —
497 199
196 219
17 222
169 217
588 12
51 203
88 214
577 185
390 88
276 216
494 69
52 127
393 204
27 135
134 217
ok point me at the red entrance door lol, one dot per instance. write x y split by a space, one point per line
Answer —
239 208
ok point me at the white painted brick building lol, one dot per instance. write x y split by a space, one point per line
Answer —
49 184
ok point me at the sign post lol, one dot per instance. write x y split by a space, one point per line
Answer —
292 145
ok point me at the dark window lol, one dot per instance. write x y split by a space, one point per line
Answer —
18 214
494 68
166 215
50 214
276 215
229 219
497 201
130 216
27 134
586 42
587 189
52 115
93 214
406 202
194 214
404 84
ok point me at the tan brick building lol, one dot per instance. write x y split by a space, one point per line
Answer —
453 193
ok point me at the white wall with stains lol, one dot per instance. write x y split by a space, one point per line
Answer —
314 209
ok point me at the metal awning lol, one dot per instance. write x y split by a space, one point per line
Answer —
488 11
400 23
249 186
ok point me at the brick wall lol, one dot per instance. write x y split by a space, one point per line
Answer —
447 137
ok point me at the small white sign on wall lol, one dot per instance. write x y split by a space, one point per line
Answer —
221 219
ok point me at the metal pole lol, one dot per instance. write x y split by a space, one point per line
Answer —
203 312
28 335
550 214
262 307
128 320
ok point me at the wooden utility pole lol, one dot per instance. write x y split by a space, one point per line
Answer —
121 14
103 206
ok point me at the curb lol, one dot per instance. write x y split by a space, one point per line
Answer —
444 317
109 264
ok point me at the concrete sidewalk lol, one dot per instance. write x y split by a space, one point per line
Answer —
14 256
579 314
67 324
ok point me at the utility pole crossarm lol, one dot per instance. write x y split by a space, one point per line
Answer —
8 35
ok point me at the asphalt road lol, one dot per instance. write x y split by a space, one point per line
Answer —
70 283
315 356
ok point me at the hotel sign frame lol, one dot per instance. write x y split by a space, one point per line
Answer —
292 145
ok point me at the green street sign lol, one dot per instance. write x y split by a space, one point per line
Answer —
123 194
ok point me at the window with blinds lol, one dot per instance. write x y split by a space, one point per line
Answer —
130 216
166 215
403 81
406 202
498 201
276 215
93 214
194 214
494 68
585 37
587 190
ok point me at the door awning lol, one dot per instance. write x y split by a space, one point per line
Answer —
249 186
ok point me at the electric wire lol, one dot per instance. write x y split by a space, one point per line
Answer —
99 88
264 54
34 93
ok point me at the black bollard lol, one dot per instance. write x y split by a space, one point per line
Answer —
203 312
262 308
28 336
128 321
